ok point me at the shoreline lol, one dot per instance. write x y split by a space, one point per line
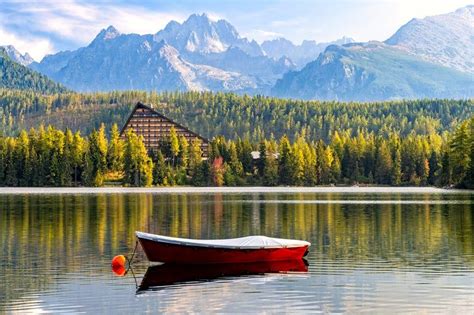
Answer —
235 190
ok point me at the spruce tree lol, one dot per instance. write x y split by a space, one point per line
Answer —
174 145
138 166
286 164
115 150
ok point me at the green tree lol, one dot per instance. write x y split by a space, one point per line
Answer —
383 164
195 157
78 149
183 157
138 166
286 165
96 158
174 144
115 150
270 177
159 169
397 168
460 152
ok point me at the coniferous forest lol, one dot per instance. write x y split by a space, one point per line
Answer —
226 114
47 156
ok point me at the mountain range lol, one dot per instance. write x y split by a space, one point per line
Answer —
425 58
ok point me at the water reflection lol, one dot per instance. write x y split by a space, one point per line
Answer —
51 241
168 274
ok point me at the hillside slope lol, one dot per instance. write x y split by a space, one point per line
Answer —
16 76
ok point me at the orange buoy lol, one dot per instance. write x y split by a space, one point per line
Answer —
118 265
119 260
119 270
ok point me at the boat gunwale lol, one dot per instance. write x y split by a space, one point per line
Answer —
182 242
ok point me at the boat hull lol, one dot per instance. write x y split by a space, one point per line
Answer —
187 254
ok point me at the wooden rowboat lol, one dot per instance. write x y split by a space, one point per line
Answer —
237 250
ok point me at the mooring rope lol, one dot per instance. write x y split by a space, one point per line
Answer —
133 255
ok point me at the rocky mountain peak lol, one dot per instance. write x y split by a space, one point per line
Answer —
446 39
107 34
200 34
16 56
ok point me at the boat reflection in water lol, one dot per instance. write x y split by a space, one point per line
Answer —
168 274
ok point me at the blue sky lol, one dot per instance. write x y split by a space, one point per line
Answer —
43 27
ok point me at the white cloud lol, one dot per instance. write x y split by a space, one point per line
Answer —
76 22
81 22
36 47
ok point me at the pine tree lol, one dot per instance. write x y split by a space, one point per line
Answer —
202 175
261 161
96 158
195 157
183 157
469 179
115 150
22 159
138 166
174 144
299 162
270 176
78 150
235 166
383 164
286 166
67 161
244 151
397 168
460 153
159 168
11 178
56 170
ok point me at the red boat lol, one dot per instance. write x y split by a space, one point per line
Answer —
236 250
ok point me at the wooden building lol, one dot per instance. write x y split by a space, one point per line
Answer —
155 128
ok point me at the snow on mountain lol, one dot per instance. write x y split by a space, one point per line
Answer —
200 34
115 61
430 57
446 39
372 71
16 56
199 54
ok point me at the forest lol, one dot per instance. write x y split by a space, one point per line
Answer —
47 156
16 76
233 116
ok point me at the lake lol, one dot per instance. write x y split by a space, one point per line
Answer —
373 250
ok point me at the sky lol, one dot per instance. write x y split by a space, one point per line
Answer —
49 26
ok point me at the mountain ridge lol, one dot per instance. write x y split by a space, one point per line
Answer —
301 54
445 39
203 54
413 63
372 71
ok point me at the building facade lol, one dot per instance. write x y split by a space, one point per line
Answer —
155 128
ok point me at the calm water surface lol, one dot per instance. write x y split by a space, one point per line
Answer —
371 252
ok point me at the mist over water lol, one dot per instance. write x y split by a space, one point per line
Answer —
371 251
